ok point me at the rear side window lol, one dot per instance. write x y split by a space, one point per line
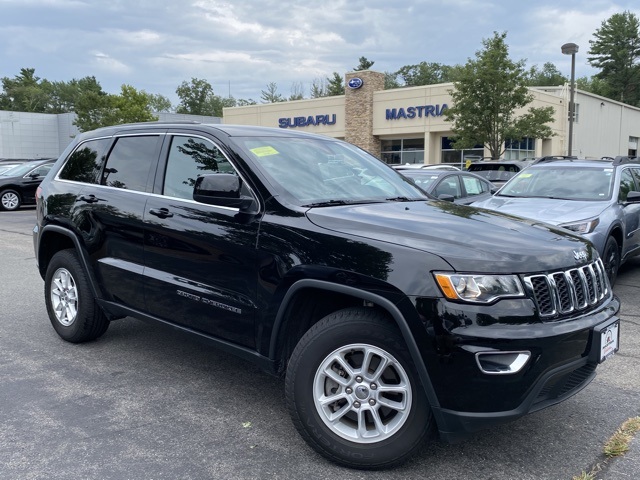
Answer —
130 161
85 162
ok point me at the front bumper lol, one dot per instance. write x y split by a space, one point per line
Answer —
563 360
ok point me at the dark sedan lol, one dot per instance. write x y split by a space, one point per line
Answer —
18 184
461 187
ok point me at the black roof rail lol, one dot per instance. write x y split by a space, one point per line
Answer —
552 158
621 159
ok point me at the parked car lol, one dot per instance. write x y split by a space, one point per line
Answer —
425 166
458 186
598 199
499 172
392 316
18 184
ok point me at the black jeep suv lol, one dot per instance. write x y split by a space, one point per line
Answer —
394 316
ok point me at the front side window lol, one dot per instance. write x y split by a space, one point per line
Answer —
626 185
41 171
448 186
86 161
130 161
474 186
190 157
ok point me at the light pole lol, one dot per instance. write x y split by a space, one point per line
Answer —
571 49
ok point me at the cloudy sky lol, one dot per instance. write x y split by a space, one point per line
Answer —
242 45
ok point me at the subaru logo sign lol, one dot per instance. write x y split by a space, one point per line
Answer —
355 82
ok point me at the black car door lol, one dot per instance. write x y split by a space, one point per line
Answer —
109 216
200 260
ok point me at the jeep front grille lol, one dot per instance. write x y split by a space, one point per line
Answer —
561 293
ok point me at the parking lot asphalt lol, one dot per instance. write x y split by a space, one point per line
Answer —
146 403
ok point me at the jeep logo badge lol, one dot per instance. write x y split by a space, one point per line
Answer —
580 255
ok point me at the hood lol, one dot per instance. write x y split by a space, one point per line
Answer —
469 239
548 210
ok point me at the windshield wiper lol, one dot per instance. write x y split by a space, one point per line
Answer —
400 199
331 203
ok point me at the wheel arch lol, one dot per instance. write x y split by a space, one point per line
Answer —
286 333
55 238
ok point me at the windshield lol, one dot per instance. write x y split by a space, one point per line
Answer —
18 170
571 183
423 180
313 172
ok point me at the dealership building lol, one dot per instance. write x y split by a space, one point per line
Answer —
403 125
407 125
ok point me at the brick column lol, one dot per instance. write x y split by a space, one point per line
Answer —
359 110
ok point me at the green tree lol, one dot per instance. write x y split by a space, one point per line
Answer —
335 85
194 97
242 102
318 88
271 95
24 93
364 64
425 73
548 76
159 103
391 80
101 110
615 51
63 96
487 93
297 91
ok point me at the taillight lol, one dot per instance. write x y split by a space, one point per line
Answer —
38 192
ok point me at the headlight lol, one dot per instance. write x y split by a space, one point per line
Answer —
478 288
582 227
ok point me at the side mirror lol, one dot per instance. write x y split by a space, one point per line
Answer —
446 197
223 189
633 197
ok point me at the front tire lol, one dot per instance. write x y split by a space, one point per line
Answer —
353 393
72 309
611 259
10 200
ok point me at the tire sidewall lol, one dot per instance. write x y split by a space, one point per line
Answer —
68 261
317 347
2 194
612 244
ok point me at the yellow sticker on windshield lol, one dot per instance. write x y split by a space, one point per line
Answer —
524 175
264 151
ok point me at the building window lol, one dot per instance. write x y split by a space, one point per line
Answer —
460 158
633 147
519 149
401 151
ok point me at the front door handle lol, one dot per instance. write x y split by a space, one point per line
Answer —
161 212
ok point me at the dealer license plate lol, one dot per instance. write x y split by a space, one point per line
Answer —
609 341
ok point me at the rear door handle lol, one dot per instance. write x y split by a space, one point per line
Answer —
89 198
161 212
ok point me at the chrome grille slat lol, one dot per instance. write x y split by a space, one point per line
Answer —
564 292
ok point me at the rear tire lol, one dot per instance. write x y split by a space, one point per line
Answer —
72 309
611 259
353 393
10 200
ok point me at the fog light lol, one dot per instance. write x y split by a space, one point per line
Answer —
502 363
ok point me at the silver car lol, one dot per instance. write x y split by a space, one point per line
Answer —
598 199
